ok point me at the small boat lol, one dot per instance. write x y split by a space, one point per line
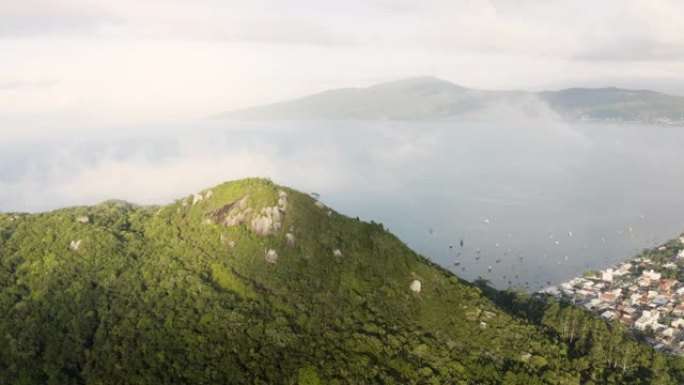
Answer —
457 263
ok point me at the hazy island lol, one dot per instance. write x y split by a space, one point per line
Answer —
429 98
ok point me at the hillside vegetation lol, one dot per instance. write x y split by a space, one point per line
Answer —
254 283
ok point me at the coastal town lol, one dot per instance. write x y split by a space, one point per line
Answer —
646 294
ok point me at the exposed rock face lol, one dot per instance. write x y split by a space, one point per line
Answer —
233 214
83 219
290 239
271 256
415 286
197 199
337 252
75 245
268 221
282 200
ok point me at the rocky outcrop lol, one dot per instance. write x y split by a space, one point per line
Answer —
233 214
268 221
415 286
75 245
199 197
290 240
271 256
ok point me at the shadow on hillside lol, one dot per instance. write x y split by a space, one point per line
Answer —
518 303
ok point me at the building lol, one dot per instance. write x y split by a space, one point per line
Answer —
666 284
608 297
607 275
608 315
624 269
678 323
648 319
678 310
651 274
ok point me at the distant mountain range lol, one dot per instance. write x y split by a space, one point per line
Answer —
428 98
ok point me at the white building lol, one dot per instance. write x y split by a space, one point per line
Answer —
607 275
668 332
624 269
608 314
678 323
594 304
648 319
650 274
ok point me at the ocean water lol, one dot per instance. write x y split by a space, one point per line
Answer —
535 202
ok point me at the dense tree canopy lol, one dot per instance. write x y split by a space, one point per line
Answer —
196 292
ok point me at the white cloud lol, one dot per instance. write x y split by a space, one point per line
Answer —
144 60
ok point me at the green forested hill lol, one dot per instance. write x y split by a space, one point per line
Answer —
253 283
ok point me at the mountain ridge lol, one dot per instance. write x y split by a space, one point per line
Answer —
252 282
429 98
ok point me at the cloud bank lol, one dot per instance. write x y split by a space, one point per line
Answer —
146 60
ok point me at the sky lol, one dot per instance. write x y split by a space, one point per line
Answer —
98 63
